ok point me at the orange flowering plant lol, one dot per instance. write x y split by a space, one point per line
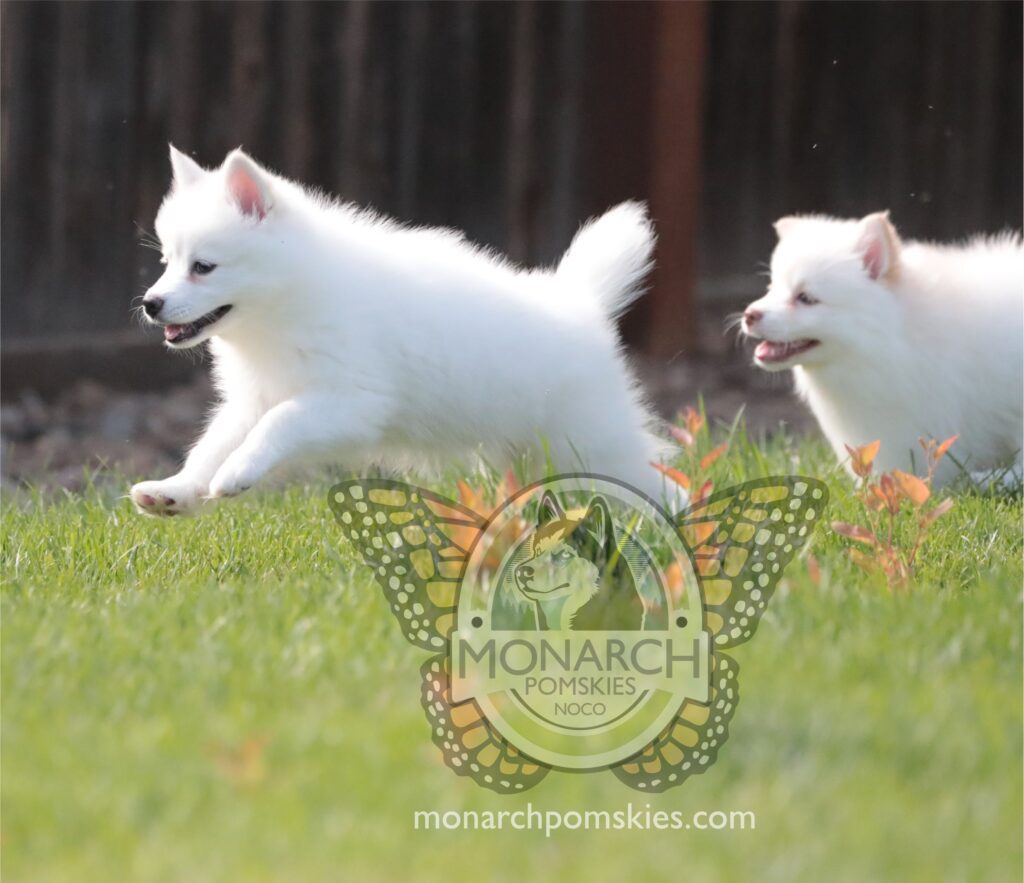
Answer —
885 500
485 504
694 440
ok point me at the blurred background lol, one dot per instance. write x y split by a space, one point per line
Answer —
513 121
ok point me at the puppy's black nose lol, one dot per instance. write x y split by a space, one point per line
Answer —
152 305
752 317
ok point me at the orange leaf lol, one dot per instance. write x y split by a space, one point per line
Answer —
703 493
940 510
710 457
692 419
813 569
890 492
855 532
469 498
682 436
895 571
940 451
875 499
708 566
912 487
243 763
674 582
861 458
680 478
697 534
510 487
515 528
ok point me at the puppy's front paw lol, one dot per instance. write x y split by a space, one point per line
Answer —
236 476
172 496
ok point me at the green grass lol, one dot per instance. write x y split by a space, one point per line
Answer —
878 736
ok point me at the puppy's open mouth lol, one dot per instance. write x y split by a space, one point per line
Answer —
178 334
772 352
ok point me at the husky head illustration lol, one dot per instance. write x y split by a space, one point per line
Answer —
575 573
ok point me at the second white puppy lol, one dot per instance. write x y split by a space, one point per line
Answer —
898 341
341 336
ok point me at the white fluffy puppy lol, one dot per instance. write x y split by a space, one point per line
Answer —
343 337
896 340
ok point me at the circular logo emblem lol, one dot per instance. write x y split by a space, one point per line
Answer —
580 628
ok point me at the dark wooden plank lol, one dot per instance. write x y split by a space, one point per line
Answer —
567 111
412 115
298 114
521 110
250 75
670 306
351 49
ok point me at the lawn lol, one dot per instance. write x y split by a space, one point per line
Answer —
228 698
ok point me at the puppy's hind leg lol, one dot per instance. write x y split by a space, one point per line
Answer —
627 455
639 472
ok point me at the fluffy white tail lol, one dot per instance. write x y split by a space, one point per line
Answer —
611 255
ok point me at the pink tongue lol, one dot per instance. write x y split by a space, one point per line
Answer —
768 350
172 331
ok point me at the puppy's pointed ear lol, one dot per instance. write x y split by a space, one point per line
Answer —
786 225
248 185
185 169
598 520
550 509
879 246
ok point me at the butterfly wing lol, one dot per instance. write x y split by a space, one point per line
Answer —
416 542
741 540
469 744
690 743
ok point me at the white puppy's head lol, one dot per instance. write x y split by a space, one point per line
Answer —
829 294
220 236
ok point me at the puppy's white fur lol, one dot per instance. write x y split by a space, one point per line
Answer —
354 340
911 339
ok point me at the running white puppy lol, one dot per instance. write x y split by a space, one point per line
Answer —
339 336
898 341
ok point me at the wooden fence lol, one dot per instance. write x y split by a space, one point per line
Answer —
511 120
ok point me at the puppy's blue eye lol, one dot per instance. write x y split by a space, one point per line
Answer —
203 268
804 298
